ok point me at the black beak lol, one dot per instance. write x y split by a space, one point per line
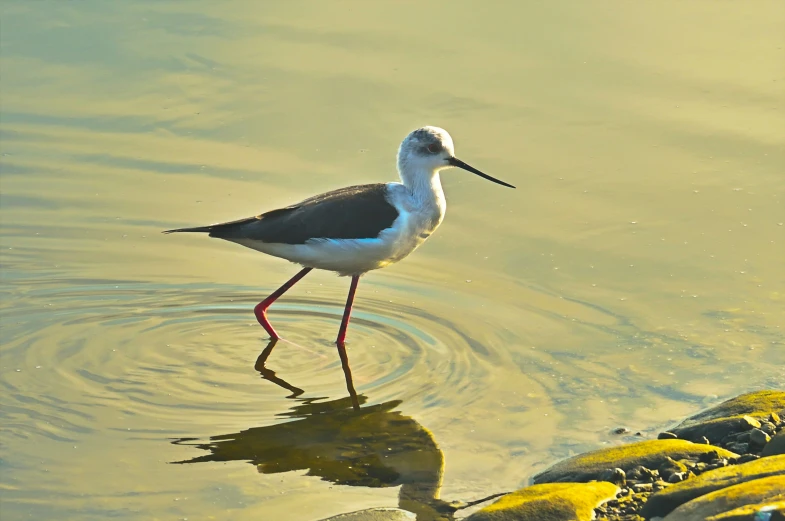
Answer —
454 161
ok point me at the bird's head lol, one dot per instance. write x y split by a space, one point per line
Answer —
430 149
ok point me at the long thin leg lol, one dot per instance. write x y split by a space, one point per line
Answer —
261 308
347 311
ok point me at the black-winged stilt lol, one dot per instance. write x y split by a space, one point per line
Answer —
356 229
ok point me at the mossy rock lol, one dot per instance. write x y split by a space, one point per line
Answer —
549 502
751 512
375 514
775 446
735 415
650 454
670 498
726 500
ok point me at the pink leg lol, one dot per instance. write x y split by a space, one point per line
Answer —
347 311
261 308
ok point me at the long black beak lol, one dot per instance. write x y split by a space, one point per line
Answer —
454 161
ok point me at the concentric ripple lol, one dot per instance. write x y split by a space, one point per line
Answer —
150 357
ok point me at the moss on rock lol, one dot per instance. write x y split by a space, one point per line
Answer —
738 414
750 512
726 500
549 502
650 454
667 500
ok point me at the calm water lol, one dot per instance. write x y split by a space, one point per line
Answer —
635 275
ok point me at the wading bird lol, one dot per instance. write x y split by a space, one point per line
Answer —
356 229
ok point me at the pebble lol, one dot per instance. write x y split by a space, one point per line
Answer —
759 438
678 477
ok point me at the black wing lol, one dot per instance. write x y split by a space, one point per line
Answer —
354 212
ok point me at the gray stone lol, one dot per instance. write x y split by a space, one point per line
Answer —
616 476
759 438
775 446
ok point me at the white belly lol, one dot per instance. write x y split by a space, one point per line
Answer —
354 256
417 220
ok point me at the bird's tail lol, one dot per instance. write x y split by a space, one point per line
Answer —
197 229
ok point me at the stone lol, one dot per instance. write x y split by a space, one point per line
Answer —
616 476
678 477
551 501
759 438
670 467
666 436
725 500
769 428
716 430
775 446
735 415
666 500
375 514
650 454
766 511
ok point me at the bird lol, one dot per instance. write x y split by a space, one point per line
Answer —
356 229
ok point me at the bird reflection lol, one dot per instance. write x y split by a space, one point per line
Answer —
269 374
373 446
343 443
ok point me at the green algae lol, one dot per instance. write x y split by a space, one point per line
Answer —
749 512
650 454
764 490
549 502
667 500
758 404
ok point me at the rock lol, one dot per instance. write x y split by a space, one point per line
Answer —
666 436
775 446
662 502
678 477
759 438
721 502
734 415
716 430
650 454
574 501
769 428
670 467
738 447
641 473
375 514
616 476
765 511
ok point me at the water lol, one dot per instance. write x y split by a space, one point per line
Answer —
634 276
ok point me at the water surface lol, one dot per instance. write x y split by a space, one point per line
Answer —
634 276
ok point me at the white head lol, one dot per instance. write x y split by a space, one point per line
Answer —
427 150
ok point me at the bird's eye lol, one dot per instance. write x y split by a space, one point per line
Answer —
434 148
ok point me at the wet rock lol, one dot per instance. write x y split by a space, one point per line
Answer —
375 514
678 477
641 473
768 427
715 505
665 501
666 436
670 467
733 416
650 454
621 430
716 430
738 447
775 446
616 476
758 438
766 511
574 501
